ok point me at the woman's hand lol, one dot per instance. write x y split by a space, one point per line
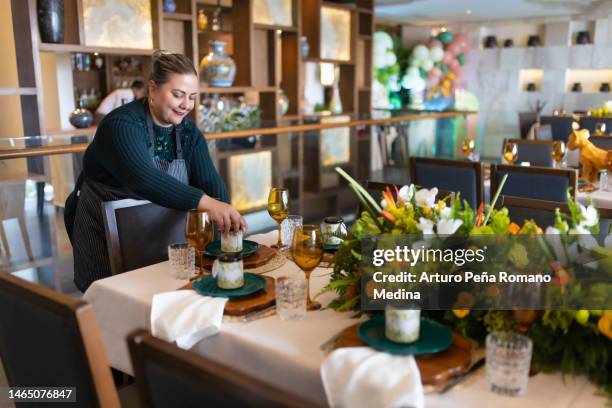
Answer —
224 215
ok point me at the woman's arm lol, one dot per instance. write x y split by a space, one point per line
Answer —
203 173
124 153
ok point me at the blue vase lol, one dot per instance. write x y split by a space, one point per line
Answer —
169 6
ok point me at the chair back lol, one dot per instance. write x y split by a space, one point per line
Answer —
590 123
540 183
522 209
544 132
167 376
52 340
535 152
561 126
603 142
140 224
458 176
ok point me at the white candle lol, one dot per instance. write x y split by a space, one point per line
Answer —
402 325
231 241
229 271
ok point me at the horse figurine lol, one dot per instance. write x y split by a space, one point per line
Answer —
592 157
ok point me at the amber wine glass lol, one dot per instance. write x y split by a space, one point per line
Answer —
307 251
510 152
468 148
199 231
558 152
278 208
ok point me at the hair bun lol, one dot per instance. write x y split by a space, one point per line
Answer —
159 53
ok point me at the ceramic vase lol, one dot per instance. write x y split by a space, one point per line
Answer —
218 68
51 20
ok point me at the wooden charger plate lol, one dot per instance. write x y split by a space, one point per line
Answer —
245 305
437 368
263 256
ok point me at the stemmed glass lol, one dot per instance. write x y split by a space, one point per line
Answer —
278 208
468 148
510 153
307 251
558 152
199 232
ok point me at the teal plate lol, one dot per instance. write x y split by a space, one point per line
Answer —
249 248
207 286
433 338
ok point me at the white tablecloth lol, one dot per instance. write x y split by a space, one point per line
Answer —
287 353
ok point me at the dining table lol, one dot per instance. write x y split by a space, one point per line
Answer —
289 354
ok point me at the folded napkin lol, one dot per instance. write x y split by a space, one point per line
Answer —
356 377
185 316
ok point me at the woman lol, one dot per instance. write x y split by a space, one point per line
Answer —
146 149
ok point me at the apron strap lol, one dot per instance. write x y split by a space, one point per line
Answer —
151 132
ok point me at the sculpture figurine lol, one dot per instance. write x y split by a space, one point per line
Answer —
592 158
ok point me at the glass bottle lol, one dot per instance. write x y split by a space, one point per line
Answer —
202 20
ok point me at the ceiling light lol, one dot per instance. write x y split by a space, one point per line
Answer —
468 12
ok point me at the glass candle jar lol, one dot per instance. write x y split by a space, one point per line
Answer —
231 241
402 325
333 227
229 271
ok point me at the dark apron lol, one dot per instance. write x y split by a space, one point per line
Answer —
91 260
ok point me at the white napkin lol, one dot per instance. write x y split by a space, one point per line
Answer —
356 377
185 316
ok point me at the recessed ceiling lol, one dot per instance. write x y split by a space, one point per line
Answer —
427 12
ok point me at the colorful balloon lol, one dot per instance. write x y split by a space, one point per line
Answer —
427 64
447 58
436 54
463 41
445 37
454 48
420 52
453 65
435 44
461 58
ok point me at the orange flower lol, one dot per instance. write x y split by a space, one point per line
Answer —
605 324
513 228
461 313
388 216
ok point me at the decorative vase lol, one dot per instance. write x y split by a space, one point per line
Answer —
51 20
605 87
577 87
304 46
335 104
169 6
533 41
218 68
509 43
80 117
283 103
583 37
202 20
531 87
402 325
490 41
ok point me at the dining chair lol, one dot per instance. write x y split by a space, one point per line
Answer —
138 233
541 183
460 176
544 132
603 142
51 339
590 123
535 152
561 126
526 121
168 376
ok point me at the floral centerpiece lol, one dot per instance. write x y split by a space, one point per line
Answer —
570 341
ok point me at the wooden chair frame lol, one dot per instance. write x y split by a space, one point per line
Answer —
571 174
144 347
79 314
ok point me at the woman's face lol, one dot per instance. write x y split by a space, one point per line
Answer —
172 101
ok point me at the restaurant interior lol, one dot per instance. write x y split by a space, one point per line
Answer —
327 125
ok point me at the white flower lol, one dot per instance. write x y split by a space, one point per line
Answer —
406 193
425 197
383 204
426 226
589 215
553 237
446 213
448 226
585 239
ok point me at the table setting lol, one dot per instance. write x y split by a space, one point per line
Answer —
287 324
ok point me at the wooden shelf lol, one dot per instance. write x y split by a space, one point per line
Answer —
74 132
364 89
48 47
17 91
343 6
236 89
177 16
208 31
274 27
204 4
331 61
365 10
365 36
229 153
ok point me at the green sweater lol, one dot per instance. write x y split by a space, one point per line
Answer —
119 156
